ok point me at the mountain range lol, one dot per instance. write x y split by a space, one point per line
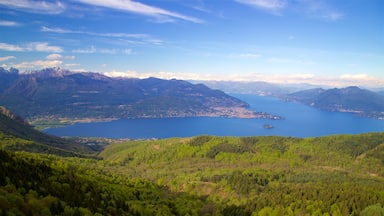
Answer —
351 99
57 93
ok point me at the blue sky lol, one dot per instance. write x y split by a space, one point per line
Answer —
333 42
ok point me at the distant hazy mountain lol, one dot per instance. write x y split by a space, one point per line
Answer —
351 99
59 93
26 138
256 87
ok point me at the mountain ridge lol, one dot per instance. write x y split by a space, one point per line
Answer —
58 93
351 99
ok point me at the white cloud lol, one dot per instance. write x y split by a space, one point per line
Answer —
38 64
162 75
6 58
70 57
93 49
108 51
271 5
355 76
249 55
33 46
133 38
290 61
89 50
69 31
319 9
334 81
11 47
8 23
56 30
43 47
310 8
71 65
56 56
127 51
333 16
45 7
140 8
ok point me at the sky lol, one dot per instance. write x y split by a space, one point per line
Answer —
327 42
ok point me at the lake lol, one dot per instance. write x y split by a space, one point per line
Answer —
299 121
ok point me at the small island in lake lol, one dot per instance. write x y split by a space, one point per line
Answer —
267 126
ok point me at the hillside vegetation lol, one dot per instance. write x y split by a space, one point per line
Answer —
337 175
17 134
204 175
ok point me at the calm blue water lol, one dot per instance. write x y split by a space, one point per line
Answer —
299 121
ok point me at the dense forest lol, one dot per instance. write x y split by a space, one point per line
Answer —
204 175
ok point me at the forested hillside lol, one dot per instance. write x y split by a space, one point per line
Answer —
17 134
333 175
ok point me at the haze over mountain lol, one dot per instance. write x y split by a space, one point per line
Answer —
351 99
257 87
59 93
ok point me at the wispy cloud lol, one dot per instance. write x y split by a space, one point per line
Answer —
93 49
56 56
127 51
140 8
320 9
8 23
69 31
162 75
29 47
71 65
45 7
135 38
11 47
334 81
43 47
290 61
6 58
89 50
273 6
38 64
248 55
356 77
310 8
